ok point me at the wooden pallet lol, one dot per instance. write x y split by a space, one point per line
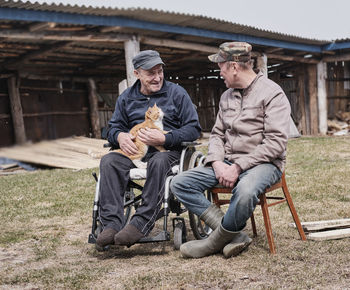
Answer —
73 152
326 230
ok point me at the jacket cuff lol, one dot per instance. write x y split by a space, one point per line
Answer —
242 163
169 138
211 158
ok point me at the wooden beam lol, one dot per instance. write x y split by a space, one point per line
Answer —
322 96
41 26
93 101
334 58
324 225
179 44
111 29
273 49
292 58
329 235
41 52
90 37
16 111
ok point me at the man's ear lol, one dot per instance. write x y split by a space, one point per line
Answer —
136 73
234 66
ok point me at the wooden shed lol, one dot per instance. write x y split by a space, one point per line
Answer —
62 66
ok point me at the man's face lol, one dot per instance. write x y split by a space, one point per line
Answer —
151 80
226 72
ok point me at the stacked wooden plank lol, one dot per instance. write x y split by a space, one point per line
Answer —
73 152
327 229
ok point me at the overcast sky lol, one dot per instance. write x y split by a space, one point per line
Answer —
320 19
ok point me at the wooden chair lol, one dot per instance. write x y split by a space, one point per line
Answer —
264 206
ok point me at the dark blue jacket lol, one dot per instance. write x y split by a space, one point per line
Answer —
180 116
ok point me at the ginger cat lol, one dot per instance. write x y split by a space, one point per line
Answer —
153 120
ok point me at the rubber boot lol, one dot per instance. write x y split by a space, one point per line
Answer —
218 239
239 243
212 216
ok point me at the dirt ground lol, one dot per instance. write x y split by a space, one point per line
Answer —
46 220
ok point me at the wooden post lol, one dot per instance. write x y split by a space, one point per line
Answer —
16 111
132 47
261 63
301 81
313 107
122 86
322 96
93 101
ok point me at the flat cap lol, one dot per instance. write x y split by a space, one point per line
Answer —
147 59
232 51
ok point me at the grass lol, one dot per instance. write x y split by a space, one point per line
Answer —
46 218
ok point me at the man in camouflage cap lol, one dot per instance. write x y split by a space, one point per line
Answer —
247 152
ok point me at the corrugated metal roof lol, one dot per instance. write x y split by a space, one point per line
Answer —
164 17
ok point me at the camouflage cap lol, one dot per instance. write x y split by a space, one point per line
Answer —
232 51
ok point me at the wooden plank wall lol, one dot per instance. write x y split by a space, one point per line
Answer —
338 88
205 94
6 124
299 82
51 110
54 109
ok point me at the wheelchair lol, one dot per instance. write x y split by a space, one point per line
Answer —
190 158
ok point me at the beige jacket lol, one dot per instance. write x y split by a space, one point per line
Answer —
251 127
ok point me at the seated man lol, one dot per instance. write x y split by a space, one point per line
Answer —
181 124
247 151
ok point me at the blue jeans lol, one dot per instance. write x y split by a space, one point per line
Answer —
190 185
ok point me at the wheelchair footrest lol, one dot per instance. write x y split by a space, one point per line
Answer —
92 239
161 237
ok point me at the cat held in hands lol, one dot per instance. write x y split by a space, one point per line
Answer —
153 120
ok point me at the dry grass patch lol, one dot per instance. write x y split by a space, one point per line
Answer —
46 219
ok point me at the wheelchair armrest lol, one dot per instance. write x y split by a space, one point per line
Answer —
190 144
110 145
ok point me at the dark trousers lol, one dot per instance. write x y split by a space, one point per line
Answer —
114 177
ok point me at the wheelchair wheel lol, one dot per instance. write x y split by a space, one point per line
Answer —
195 159
199 228
178 236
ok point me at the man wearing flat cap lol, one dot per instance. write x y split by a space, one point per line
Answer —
247 152
180 121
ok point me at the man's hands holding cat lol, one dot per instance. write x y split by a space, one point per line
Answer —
152 137
126 143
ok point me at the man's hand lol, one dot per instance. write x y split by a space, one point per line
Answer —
152 137
126 143
226 174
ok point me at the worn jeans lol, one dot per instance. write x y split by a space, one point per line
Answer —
114 178
190 185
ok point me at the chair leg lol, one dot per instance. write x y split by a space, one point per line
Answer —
265 211
292 209
252 219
